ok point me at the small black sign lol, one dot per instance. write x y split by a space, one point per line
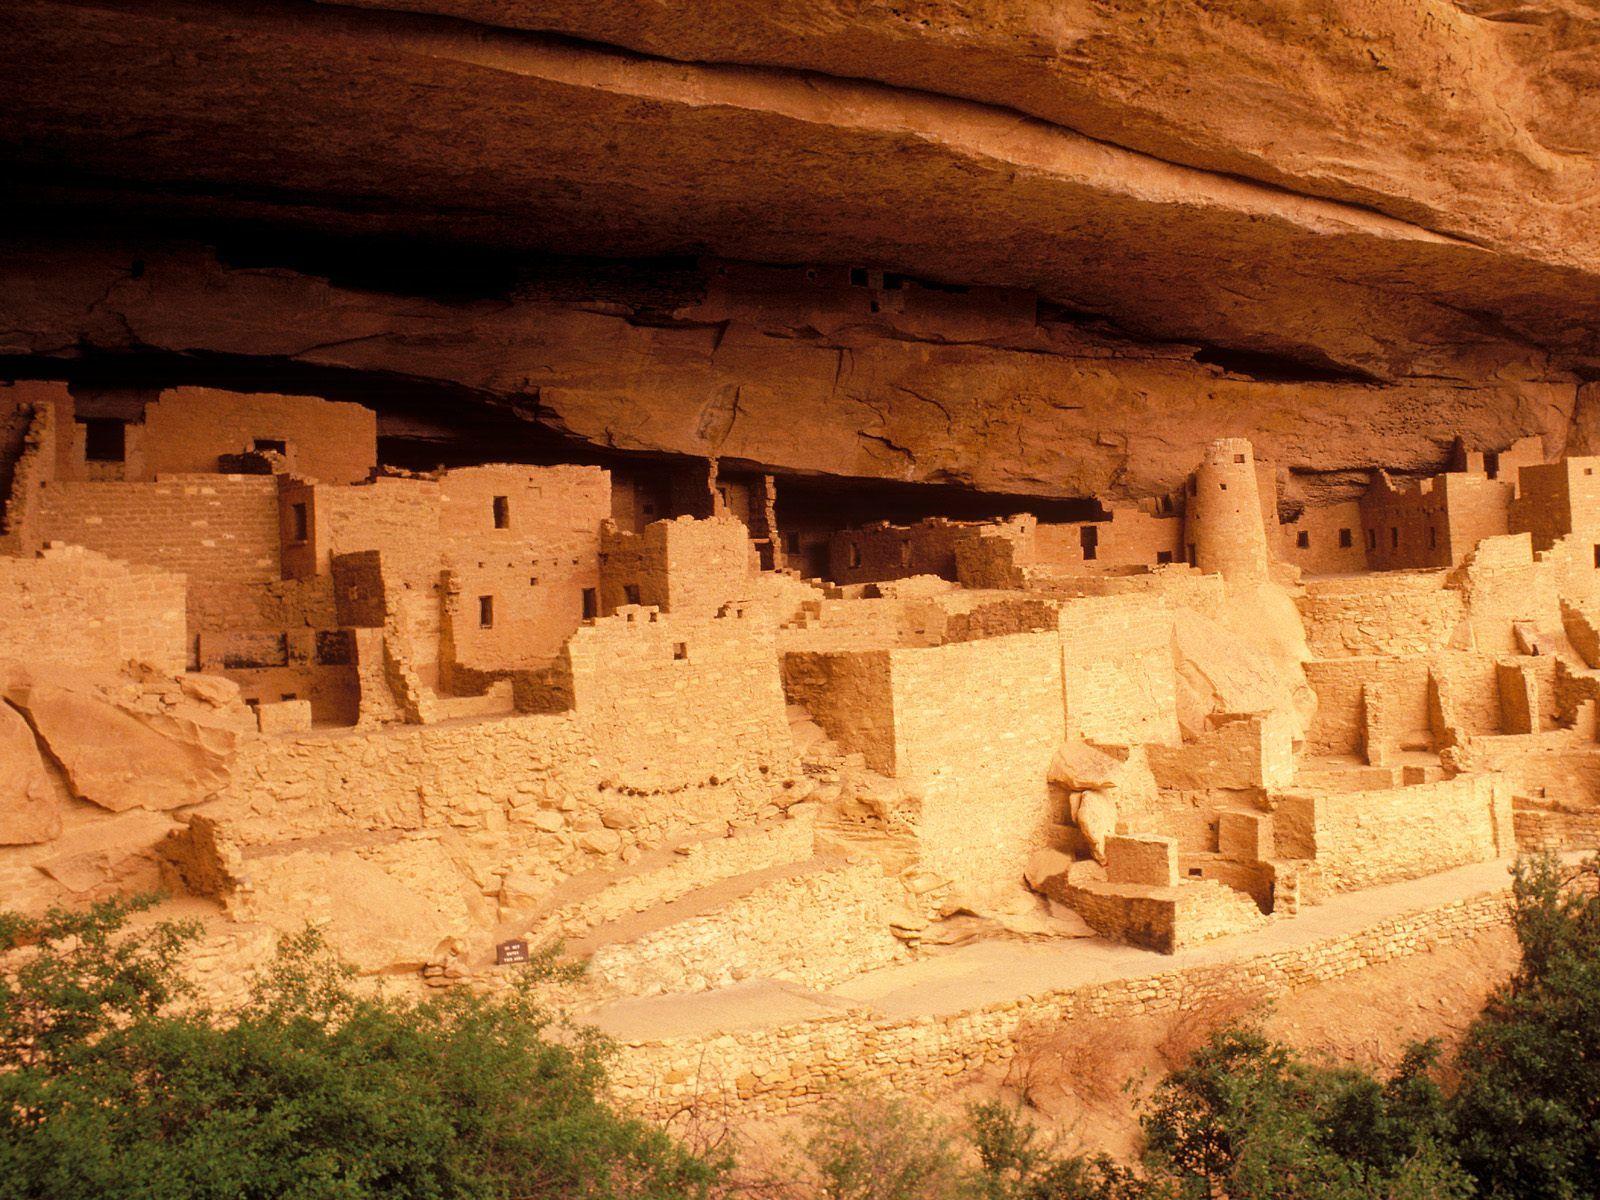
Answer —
514 951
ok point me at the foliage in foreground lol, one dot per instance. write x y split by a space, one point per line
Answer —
1245 1120
1248 1119
1528 1108
115 1082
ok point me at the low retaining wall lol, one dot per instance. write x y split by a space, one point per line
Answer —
789 1067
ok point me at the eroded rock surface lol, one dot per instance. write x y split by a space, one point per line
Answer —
114 755
28 809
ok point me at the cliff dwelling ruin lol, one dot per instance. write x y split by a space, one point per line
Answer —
775 523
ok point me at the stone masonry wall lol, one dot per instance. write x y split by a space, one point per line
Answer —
976 724
791 1067
77 609
675 741
1117 665
814 928
1362 839
534 571
221 531
848 694
189 428
1336 727
1396 613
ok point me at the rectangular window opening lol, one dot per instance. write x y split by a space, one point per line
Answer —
300 522
590 608
502 512
486 612
105 439
270 446
791 543
680 650
1163 557
855 555
1394 537
1433 537
1238 458
1346 540
1302 539
630 593
1372 539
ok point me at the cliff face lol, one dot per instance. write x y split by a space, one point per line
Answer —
1348 230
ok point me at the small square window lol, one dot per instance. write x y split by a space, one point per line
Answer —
502 512
105 440
680 650
486 612
533 581
1163 557
630 593
1588 470
1346 539
1302 539
1238 458
858 277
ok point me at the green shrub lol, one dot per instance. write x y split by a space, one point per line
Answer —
1013 1165
871 1147
1527 1110
1249 1120
111 1088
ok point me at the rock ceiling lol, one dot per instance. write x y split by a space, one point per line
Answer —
1402 198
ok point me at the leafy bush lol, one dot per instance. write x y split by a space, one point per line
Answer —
1013 1165
115 1082
1527 1109
1248 1119
867 1147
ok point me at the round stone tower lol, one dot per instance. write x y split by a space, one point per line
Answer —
1223 521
